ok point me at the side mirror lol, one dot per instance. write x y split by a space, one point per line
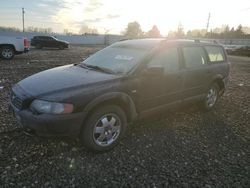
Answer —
153 71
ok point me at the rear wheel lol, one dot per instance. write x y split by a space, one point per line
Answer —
7 52
211 98
104 128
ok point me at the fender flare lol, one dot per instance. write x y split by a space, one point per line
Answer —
217 77
125 98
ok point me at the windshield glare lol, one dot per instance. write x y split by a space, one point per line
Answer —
117 59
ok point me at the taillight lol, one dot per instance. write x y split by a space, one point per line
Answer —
26 43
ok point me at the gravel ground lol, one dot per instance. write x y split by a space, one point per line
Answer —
182 148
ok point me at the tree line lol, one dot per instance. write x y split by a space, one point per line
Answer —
28 29
133 30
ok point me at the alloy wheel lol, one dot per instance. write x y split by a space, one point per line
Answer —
107 130
212 96
7 53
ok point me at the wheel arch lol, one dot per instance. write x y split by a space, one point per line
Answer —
218 79
11 45
120 99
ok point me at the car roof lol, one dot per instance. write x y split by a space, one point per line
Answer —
42 36
193 42
152 42
139 43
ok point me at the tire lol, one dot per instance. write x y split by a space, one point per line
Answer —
104 128
38 46
211 98
7 52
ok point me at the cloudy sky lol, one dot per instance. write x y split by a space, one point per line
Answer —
112 16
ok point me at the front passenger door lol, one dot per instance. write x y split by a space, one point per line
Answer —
160 90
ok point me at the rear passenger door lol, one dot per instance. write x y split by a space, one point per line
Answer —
197 72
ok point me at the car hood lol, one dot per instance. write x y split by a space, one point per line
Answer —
65 78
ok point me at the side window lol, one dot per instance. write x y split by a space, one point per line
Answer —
167 58
215 53
194 56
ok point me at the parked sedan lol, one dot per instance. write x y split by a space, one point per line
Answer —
48 41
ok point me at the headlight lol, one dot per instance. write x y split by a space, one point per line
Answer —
47 107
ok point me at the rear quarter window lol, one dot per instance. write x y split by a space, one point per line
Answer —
194 56
215 53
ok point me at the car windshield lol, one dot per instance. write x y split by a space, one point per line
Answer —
118 59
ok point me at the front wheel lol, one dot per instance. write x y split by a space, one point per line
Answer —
211 98
104 128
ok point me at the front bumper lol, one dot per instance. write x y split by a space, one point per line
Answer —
49 124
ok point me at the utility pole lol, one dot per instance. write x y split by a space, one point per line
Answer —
23 18
208 20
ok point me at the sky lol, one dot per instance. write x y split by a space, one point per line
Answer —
112 16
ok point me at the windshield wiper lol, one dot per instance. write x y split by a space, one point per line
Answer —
95 67
83 65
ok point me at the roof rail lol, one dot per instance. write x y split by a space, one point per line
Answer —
123 39
214 41
197 40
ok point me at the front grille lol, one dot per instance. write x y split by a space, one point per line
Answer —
16 101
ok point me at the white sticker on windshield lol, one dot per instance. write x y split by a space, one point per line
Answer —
124 57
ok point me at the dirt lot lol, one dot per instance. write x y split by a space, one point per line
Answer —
184 148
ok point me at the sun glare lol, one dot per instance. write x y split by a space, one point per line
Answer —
114 15
77 13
